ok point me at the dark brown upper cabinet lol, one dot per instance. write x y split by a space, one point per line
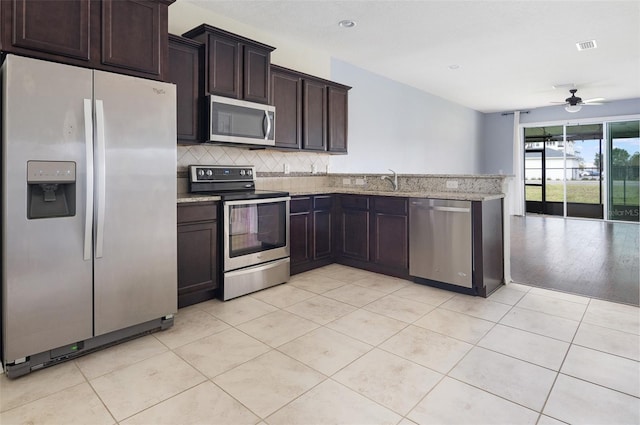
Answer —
235 66
186 71
286 96
311 113
314 133
124 36
337 118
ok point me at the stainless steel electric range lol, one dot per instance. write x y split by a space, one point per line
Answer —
254 228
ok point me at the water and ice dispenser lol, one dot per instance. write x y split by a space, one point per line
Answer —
51 189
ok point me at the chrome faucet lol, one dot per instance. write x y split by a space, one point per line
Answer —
394 180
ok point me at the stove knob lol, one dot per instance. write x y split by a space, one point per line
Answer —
242 172
209 173
249 172
200 172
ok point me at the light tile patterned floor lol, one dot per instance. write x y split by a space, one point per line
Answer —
344 346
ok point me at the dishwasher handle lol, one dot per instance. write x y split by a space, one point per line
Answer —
450 209
424 206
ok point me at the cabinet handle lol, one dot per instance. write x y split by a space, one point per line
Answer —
101 160
88 211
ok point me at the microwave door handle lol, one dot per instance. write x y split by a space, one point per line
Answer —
268 119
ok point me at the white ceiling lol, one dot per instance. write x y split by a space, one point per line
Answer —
510 53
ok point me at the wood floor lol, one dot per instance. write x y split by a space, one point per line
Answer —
587 257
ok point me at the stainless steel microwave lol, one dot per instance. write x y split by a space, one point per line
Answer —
240 122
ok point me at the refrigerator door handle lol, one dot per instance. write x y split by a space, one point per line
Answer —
100 160
88 141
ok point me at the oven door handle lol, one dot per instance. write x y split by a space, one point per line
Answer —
258 201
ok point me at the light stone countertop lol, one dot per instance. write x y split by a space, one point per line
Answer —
463 196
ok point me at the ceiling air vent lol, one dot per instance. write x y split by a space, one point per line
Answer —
586 45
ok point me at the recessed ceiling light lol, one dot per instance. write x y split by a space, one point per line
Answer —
454 66
347 23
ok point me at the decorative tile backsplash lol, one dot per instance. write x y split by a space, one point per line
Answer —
265 160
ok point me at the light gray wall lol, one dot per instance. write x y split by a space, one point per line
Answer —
497 136
392 125
497 139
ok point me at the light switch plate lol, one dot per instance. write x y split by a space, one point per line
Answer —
346 182
361 182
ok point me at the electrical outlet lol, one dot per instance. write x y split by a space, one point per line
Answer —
346 182
452 184
314 168
287 170
361 182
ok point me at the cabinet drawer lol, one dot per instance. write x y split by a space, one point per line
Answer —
354 202
390 205
322 203
298 205
200 211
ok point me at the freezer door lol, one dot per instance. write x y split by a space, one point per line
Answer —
135 201
46 283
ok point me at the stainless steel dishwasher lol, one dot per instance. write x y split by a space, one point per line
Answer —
441 241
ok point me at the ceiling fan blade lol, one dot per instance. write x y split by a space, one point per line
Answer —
593 104
595 99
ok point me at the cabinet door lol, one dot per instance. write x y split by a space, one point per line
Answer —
321 234
337 119
355 234
54 27
390 242
256 74
185 70
197 253
300 238
286 96
223 66
131 35
315 116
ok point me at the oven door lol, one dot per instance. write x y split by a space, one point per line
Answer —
255 231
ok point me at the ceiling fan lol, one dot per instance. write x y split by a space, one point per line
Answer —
574 103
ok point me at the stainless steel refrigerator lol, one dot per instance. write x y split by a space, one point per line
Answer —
88 210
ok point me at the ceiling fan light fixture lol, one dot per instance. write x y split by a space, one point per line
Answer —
573 108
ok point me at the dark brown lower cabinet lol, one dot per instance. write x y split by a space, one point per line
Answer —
310 232
390 233
352 228
197 252
372 233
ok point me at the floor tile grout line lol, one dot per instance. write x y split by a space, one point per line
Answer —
328 377
555 379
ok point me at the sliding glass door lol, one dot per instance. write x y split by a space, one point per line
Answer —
564 169
584 171
623 140
543 170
